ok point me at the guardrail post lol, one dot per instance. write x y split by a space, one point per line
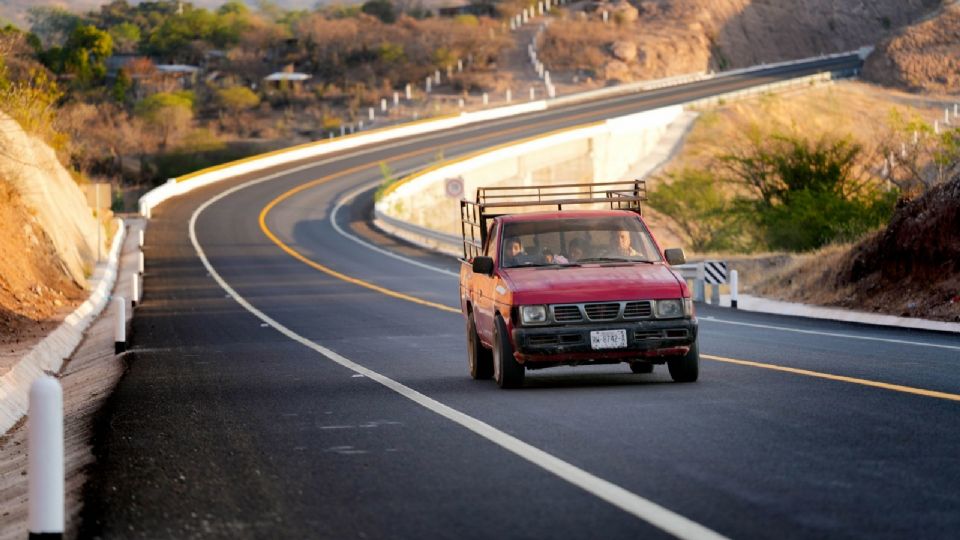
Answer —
134 290
734 283
45 470
715 294
120 325
699 294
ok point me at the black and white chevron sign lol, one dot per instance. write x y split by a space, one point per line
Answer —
715 272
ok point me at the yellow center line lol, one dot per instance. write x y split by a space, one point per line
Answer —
402 296
840 378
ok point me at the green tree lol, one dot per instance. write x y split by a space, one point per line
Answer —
381 9
126 37
121 86
237 98
698 202
85 54
167 114
807 193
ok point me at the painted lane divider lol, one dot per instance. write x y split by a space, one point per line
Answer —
45 468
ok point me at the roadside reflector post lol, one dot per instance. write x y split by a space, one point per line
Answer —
140 262
134 290
734 283
396 99
533 93
120 325
509 96
486 99
370 113
45 468
408 92
140 239
383 105
699 294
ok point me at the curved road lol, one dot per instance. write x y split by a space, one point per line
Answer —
297 374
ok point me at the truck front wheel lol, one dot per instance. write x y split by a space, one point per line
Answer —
480 359
506 370
685 368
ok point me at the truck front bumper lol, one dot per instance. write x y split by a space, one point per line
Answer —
647 339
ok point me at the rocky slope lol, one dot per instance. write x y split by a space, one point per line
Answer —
657 38
921 57
48 236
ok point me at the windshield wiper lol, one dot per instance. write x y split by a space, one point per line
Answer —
613 259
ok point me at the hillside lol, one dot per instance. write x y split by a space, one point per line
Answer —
48 237
924 57
909 269
657 38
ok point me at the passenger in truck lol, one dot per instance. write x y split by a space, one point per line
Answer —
623 244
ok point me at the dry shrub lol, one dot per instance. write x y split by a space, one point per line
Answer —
579 45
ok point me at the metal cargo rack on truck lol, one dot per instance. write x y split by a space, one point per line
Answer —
492 202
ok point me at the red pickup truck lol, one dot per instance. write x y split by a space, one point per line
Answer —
570 286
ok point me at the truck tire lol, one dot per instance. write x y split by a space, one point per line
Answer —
685 368
479 358
641 367
506 370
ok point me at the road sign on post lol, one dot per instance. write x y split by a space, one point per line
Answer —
454 187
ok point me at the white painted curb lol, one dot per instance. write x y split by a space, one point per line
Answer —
50 353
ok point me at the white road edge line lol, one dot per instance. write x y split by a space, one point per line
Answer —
349 197
619 497
832 334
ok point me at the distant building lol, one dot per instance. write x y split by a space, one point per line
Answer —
286 80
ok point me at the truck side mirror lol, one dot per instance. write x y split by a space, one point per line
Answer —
483 265
675 256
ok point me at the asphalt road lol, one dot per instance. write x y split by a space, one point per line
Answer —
330 398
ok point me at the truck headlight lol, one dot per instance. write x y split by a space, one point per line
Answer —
669 309
533 314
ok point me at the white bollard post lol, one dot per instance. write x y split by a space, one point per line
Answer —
360 125
429 85
734 285
408 92
533 93
509 96
546 78
120 325
460 103
134 290
343 130
486 99
513 25
383 105
946 116
459 65
396 99
352 129
140 238
45 470
330 135
936 127
436 76
140 265
606 16
370 113
551 91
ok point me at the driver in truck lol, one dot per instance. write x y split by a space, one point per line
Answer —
624 244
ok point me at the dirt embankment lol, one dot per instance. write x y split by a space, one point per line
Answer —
48 237
924 57
648 39
910 269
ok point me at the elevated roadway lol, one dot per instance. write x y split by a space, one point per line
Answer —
297 374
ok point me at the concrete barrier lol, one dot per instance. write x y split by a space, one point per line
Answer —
48 355
598 151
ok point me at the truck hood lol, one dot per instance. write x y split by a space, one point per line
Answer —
592 283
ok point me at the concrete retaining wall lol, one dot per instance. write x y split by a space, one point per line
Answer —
604 151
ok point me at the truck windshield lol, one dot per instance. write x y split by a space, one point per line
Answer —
575 241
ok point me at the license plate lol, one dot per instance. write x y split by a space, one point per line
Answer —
608 339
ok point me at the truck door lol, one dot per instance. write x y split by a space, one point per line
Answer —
485 293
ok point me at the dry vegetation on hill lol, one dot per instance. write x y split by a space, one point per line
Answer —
921 57
660 38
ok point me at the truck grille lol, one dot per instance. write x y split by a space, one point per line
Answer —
636 310
602 312
567 313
